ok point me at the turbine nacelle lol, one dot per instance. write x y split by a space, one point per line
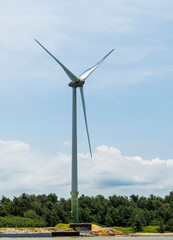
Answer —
76 84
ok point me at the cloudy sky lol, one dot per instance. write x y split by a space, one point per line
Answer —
128 98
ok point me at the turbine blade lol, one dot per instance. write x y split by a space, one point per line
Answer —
67 71
84 111
85 74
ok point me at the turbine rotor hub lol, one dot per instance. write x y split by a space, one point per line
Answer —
76 84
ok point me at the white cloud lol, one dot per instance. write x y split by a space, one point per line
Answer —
24 169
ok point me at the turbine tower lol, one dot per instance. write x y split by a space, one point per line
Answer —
74 84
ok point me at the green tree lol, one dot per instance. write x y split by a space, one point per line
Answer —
165 212
31 214
108 219
161 227
169 225
138 219
137 223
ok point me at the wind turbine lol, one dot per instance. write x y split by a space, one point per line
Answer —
75 83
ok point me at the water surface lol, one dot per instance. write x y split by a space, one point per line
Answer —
94 238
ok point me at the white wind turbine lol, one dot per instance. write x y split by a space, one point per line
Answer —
75 83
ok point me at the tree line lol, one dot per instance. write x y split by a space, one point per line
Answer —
47 210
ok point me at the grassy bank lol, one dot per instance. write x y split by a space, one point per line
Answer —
146 229
125 230
63 226
66 227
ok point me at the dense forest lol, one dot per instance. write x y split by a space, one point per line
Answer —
48 210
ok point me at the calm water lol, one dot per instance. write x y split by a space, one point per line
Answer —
93 238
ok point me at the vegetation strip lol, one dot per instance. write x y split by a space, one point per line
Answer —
137 214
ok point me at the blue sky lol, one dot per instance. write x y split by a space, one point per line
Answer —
128 98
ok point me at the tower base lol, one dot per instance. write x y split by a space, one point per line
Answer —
74 207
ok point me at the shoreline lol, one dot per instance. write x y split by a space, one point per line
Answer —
68 234
55 232
150 235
